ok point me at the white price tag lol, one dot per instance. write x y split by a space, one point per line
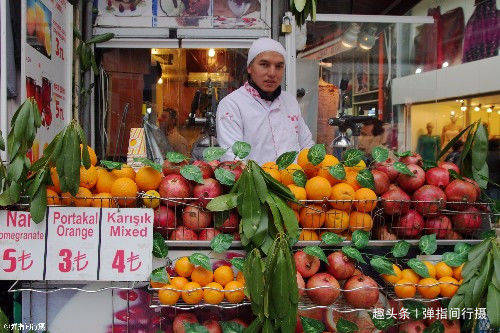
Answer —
73 243
127 243
22 246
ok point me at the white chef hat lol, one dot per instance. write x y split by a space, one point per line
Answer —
262 45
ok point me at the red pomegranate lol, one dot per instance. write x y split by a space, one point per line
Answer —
209 189
439 225
196 218
410 224
361 291
411 183
476 186
438 177
206 169
164 219
414 158
300 284
468 221
340 266
236 167
214 164
388 168
454 235
460 191
395 202
230 224
183 233
208 234
427 193
174 186
323 289
449 165
173 168
381 182
412 327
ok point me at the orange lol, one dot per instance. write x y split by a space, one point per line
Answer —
367 200
342 191
350 178
430 268
183 267
202 275
448 286
55 179
336 220
148 178
287 174
83 197
457 272
53 198
104 181
324 167
125 189
310 169
361 221
405 288
104 200
88 177
92 155
312 216
223 274
168 295
272 169
299 193
192 293
442 269
393 278
358 167
428 288
125 171
240 277
308 235
178 282
270 165
149 199
409 274
211 293
234 292
318 188
67 199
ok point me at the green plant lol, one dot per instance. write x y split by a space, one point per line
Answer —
301 9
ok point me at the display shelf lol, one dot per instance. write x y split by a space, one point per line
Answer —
180 305
48 287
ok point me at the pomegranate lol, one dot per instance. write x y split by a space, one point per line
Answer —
387 168
236 167
412 327
236 236
429 193
449 165
183 233
340 266
196 218
181 319
381 182
208 234
361 291
214 164
454 235
411 183
164 219
438 177
301 284
306 264
173 168
174 186
323 289
414 158
439 225
476 186
460 191
468 221
395 202
383 233
410 224
209 189
357 272
206 169
230 224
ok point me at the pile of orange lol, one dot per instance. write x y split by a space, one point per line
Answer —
443 281
195 283
331 205
102 188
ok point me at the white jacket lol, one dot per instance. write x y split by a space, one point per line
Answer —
270 128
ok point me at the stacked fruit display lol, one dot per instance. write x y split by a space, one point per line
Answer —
210 324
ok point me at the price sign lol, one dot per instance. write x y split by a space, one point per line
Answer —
72 243
128 237
22 246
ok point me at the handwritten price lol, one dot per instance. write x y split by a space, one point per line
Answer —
59 110
10 255
59 50
119 261
69 263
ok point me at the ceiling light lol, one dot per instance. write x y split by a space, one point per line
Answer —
477 108
490 109
368 38
211 53
160 80
461 101
445 64
155 51
350 36
452 113
418 70
463 107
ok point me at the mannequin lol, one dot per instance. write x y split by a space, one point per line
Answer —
428 145
450 131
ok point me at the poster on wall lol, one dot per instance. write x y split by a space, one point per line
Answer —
46 69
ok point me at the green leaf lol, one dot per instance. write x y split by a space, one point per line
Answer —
479 150
403 154
101 38
72 156
337 171
21 120
11 195
250 206
382 265
452 143
175 157
316 154
160 249
15 169
285 159
353 254
492 305
2 142
482 281
400 249
35 185
4 322
317 252
487 234
462 249
148 162
200 260
419 267
111 165
299 178
475 258
352 157
223 202
213 153
310 325
221 242
453 259
383 324
38 205
224 176
426 165
380 154
289 219
159 275
241 149
330 238
231 327
194 328
415 309
238 263
299 5
365 179
192 172
85 157
403 169
454 175
435 327
346 326
481 176
253 272
360 239
428 244
259 182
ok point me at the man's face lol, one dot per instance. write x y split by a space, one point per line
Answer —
266 70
